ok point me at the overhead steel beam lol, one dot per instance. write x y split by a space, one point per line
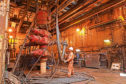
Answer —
102 23
23 17
73 10
79 9
62 6
107 6
82 10
76 10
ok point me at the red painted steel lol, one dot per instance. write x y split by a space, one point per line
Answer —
42 17
39 40
43 46
41 32
40 52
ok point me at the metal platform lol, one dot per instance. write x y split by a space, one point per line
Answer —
61 78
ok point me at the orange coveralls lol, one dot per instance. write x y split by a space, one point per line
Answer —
70 61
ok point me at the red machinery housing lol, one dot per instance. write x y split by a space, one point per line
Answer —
39 40
43 46
41 32
40 52
40 36
41 18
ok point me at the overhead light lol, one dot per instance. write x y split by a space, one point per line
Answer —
107 41
13 24
121 18
77 29
123 74
10 37
77 50
70 48
82 31
10 30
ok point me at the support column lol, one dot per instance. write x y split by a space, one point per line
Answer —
4 7
43 66
124 48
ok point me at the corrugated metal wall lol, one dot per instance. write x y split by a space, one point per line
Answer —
92 39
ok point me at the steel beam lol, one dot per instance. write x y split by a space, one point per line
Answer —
63 5
107 6
82 10
75 11
78 10
23 17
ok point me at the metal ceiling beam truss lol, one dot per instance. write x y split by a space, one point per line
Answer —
82 10
93 12
63 5
76 11
23 17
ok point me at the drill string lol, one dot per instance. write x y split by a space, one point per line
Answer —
58 41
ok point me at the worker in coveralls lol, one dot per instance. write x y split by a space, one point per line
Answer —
70 61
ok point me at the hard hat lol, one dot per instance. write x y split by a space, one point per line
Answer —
70 48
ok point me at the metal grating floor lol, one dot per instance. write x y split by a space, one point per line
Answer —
61 78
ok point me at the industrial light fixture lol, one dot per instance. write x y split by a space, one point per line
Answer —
121 18
77 29
123 74
107 41
10 37
13 24
70 48
82 32
77 50
10 30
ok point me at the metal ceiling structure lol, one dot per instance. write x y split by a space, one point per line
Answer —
70 12
63 14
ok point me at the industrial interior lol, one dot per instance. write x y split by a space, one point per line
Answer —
62 41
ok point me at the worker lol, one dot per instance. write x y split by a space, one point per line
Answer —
70 61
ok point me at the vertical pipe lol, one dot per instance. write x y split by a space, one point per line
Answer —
3 27
58 34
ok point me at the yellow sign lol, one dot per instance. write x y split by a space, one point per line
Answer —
12 41
121 18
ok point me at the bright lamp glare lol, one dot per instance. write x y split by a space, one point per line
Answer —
77 30
13 24
10 37
77 50
107 41
10 30
123 74
70 48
